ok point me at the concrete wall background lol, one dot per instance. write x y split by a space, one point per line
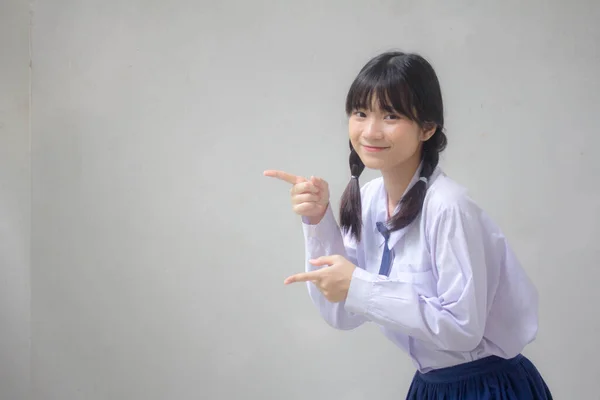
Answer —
15 201
157 249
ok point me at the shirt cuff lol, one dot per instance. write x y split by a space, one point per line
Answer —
360 292
326 228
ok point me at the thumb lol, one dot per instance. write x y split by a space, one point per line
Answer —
325 260
314 181
318 182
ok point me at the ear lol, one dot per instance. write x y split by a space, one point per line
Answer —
428 131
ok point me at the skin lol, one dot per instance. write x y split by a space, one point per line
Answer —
385 141
391 143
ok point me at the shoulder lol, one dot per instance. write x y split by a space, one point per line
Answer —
450 211
452 220
446 198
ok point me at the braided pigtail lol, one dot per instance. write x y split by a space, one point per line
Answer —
350 205
412 202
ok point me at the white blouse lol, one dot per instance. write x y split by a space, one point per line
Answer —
455 292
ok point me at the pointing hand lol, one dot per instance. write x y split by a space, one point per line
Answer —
310 197
333 279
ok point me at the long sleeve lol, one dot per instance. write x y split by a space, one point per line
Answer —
325 239
453 319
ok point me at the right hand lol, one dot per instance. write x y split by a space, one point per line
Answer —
310 197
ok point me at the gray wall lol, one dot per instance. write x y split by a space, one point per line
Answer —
158 249
15 197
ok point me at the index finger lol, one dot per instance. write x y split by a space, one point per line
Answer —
284 176
303 277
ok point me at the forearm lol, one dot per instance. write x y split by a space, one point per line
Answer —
455 326
325 239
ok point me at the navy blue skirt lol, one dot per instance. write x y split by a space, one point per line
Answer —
490 378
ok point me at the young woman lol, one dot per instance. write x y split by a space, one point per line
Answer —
413 252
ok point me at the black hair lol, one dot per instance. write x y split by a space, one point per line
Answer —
407 84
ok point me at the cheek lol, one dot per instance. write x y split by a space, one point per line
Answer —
353 132
403 133
405 141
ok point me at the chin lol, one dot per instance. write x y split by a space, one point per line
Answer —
372 164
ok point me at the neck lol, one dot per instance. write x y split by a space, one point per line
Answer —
397 179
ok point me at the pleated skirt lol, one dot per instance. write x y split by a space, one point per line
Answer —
491 378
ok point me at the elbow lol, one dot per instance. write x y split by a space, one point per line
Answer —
333 313
460 330
337 325
341 321
462 340
466 343
457 337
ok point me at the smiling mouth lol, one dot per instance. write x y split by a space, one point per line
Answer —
373 148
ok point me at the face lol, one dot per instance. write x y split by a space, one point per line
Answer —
385 140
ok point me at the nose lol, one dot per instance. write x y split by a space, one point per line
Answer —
372 130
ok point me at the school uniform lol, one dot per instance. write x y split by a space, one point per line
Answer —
447 289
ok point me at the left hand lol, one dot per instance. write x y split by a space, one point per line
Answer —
332 281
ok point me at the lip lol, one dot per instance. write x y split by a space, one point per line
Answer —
373 149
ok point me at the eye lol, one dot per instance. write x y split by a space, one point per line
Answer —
393 116
359 114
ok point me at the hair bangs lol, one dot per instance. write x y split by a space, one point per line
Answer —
384 86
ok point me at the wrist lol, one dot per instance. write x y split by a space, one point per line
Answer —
315 220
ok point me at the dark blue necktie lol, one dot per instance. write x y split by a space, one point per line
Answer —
386 260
